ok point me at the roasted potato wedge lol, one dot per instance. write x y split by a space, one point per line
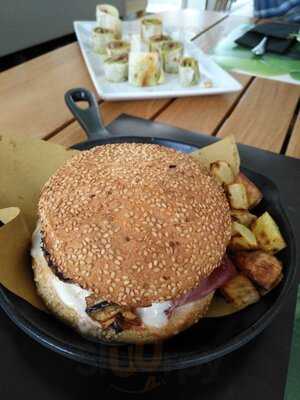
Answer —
222 172
225 150
263 291
268 234
243 217
262 268
237 196
240 291
242 238
254 195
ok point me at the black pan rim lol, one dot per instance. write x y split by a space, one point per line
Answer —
190 359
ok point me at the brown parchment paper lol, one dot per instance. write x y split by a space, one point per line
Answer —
15 271
25 165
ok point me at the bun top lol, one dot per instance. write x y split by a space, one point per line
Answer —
134 223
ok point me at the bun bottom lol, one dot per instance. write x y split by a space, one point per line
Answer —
182 317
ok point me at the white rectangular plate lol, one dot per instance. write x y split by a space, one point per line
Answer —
222 82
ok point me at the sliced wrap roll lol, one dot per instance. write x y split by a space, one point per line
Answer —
100 38
137 45
107 17
116 68
156 41
145 69
171 53
151 26
117 47
189 73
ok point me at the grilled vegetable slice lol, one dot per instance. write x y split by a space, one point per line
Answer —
237 196
222 171
110 315
242 238
240 291
104 314
262 268
243 217
254 195
268 234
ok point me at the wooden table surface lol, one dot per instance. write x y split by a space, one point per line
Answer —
264 114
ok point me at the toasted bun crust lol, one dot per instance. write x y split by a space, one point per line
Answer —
181 319
134 223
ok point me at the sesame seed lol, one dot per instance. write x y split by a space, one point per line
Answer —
135 195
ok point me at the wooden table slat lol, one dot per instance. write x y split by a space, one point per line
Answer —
201 114
263 115
259 115
33 93
110 110
205 114
293 148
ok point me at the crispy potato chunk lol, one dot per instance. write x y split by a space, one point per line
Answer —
268 234
243 217
222 172
240 291
225 150
242 238
237 196
254 195
262 268
263 291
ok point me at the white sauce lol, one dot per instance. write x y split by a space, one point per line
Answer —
155 315
70 294
74 296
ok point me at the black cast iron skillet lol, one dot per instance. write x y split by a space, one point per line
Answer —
210 338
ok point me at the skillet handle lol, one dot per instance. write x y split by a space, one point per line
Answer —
89 118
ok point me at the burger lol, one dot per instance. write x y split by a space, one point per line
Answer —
130 243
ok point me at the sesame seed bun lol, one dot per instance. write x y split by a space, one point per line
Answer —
134 223
181 319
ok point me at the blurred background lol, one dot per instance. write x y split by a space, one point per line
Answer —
29 28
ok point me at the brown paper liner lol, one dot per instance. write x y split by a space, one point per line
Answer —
25 165
15 266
